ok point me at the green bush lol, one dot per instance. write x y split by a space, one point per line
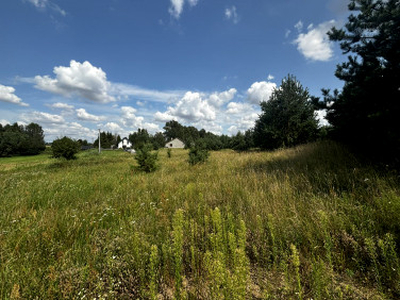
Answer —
65 147
147 161
198 154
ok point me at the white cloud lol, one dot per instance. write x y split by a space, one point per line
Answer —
129 118
113 127
321 114
83 115
42 118
231 14
176 8
238 108
193 108
218 99
73 130
81 79
151 127
4 122
63 106
270 77
164 117
260 91
299 26
7 95
44 4
126 90
315 44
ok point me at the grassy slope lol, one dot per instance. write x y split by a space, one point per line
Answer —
303 222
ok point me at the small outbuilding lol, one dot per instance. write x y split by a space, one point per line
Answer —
175 143
124 144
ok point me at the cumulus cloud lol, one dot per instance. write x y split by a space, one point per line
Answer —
129 118
260 91
81 79
315 44
7 95
83 115
193 108
231 14
218 99
238 108
113 127
176 8
164 117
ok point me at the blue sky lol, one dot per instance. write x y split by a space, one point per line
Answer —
78 65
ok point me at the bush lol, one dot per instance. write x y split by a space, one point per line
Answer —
147 161
65 147
198 154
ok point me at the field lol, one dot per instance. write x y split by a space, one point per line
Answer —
301 223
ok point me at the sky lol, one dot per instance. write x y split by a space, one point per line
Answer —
76 66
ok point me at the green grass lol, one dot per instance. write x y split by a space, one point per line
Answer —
307 222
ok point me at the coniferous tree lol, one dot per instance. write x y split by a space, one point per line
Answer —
365 113
287 118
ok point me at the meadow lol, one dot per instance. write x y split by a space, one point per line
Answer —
300 223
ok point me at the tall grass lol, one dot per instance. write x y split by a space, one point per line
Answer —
306 222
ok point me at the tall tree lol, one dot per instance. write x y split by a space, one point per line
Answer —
173 129
21 140
366 111
139 138
287 118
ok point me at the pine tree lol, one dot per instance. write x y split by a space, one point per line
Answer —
287 118
365 113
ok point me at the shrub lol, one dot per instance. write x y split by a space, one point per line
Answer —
198 154
65 147
147 161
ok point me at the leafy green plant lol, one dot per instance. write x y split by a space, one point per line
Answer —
146 159
65 147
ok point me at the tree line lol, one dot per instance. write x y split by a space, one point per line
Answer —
21 140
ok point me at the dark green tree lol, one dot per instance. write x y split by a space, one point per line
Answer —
65 147
107 140
21 140
365 113
287 118
199 153
146 159
139 138
34 140
173 129
158 140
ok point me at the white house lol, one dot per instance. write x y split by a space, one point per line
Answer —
175 143
124 144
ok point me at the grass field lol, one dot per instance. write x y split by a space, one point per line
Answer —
307 222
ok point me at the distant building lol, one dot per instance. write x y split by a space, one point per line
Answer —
175 143
124 144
